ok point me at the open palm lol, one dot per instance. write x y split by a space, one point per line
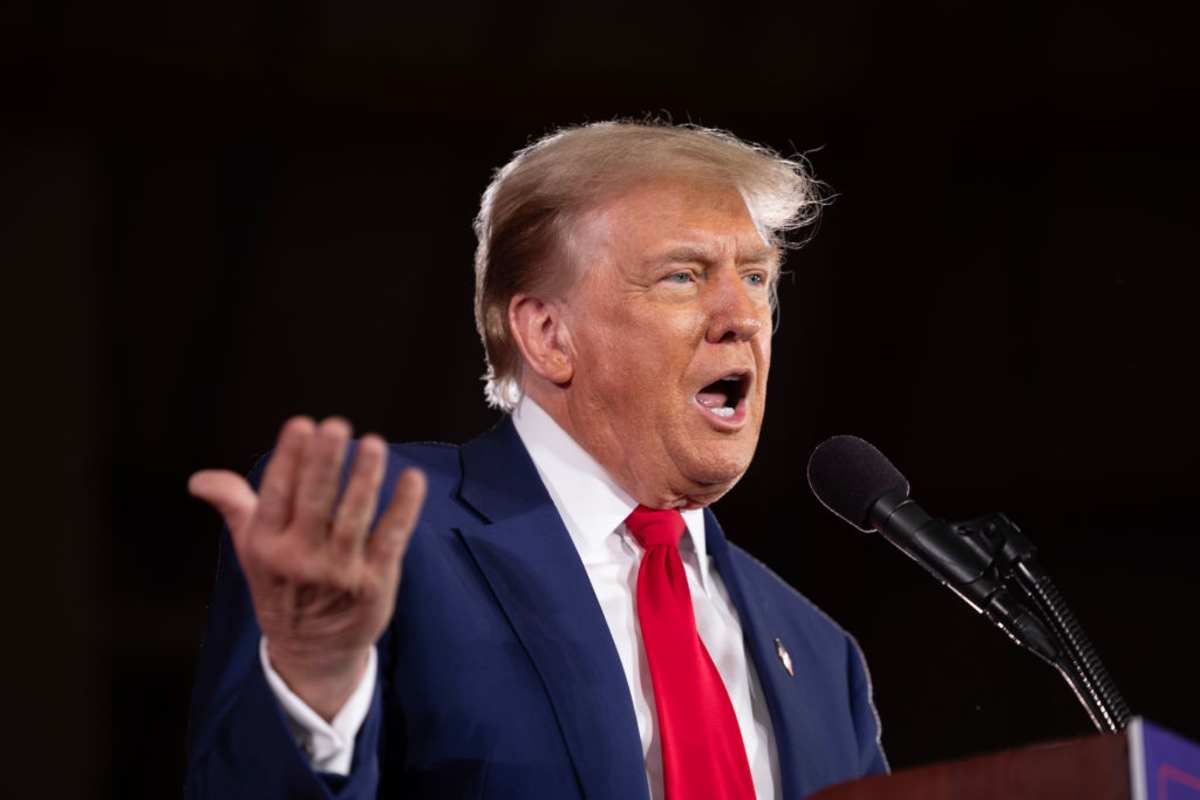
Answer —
322 582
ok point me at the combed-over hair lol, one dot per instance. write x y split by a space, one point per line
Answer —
526 212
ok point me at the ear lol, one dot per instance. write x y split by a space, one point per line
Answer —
537 327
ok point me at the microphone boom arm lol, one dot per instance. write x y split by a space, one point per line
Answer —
1016 564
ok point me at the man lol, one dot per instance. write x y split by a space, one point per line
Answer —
571 621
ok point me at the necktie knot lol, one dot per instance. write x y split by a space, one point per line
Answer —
655 526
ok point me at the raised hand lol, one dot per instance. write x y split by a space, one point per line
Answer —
323 590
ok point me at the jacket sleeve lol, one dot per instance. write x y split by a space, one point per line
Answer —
871 758
239 744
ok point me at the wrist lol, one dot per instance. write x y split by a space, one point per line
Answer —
323 681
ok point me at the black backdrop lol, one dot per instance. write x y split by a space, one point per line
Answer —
215 217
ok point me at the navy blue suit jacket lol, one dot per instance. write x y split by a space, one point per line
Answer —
498 674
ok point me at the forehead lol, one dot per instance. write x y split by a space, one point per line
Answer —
666 213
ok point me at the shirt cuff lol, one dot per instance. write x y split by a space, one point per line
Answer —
329 746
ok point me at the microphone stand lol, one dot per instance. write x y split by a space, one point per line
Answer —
1015 564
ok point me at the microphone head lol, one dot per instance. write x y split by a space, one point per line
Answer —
848 475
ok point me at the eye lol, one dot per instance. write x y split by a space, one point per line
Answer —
756 279
680 278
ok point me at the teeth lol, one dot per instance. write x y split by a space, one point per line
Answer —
724 411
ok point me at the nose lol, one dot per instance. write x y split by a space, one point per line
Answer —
733 315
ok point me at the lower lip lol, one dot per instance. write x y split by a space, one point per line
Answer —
731 423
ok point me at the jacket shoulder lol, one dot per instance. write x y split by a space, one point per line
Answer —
829 643
767 581
434 456
441 464
816 625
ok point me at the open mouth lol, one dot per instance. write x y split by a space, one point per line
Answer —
723 398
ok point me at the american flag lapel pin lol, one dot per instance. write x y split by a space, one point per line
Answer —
785 658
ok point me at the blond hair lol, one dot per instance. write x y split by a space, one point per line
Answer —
524 220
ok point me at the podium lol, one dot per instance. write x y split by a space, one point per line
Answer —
1144 763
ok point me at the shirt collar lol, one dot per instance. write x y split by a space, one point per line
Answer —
590 502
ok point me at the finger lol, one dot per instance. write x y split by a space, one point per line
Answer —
395 527
319 475
277 490
228 493
358 503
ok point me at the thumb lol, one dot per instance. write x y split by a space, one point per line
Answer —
228 493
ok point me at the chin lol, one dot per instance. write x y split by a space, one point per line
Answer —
714 475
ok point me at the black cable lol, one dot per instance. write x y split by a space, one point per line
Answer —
1082 661
1071 668
1015 565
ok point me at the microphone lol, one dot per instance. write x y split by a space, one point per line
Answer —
976 559
859 484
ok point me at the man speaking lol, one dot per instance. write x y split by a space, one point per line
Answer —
552 610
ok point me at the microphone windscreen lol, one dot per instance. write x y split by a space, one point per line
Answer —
847 474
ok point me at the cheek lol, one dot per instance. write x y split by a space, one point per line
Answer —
654 341
593 331
615 358
764 349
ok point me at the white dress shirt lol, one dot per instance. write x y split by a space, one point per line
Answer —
593 509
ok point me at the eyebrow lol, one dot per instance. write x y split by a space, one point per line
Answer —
699 253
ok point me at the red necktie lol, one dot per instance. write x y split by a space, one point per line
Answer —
702 751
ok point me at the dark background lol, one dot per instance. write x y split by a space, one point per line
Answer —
217 216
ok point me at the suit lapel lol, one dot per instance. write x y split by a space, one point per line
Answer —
758 629
528 559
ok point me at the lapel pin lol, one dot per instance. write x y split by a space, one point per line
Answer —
785 658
